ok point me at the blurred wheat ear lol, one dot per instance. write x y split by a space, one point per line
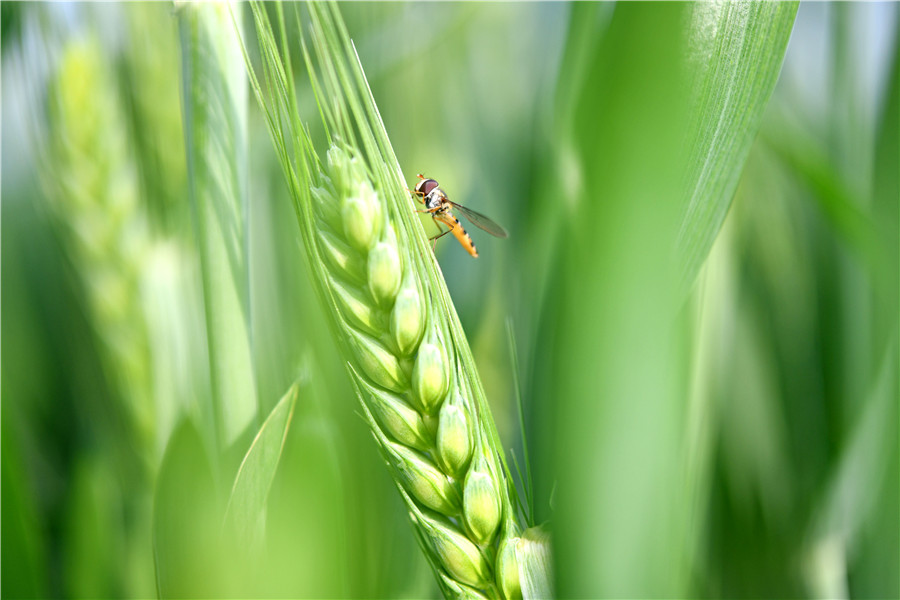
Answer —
398 330
94 199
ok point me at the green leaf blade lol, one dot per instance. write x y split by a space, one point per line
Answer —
736 50
246 510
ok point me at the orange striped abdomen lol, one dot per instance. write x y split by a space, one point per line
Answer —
458 232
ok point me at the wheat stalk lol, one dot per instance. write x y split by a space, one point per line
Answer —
215 117
406 353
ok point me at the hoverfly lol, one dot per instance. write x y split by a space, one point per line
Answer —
438 205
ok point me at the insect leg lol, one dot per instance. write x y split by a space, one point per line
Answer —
435 238
419 196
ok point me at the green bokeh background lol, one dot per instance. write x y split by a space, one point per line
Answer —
739 439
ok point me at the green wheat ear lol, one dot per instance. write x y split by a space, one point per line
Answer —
416 398
93 197
398 330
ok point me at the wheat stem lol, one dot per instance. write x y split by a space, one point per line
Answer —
215 109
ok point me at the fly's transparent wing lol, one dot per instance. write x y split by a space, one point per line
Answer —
481 221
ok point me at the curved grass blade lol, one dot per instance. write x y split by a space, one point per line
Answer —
736 51
245 514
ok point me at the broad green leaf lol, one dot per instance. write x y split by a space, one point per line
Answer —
246 510
186 519
616 384
659 125
215 123
736 50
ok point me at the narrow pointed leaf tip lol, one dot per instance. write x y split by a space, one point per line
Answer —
246 508
739 47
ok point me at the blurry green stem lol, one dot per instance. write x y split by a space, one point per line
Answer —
215 91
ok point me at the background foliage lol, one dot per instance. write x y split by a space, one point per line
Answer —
726 427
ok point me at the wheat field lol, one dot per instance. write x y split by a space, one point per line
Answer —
235 362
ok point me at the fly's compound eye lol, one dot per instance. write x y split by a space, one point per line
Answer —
425 186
